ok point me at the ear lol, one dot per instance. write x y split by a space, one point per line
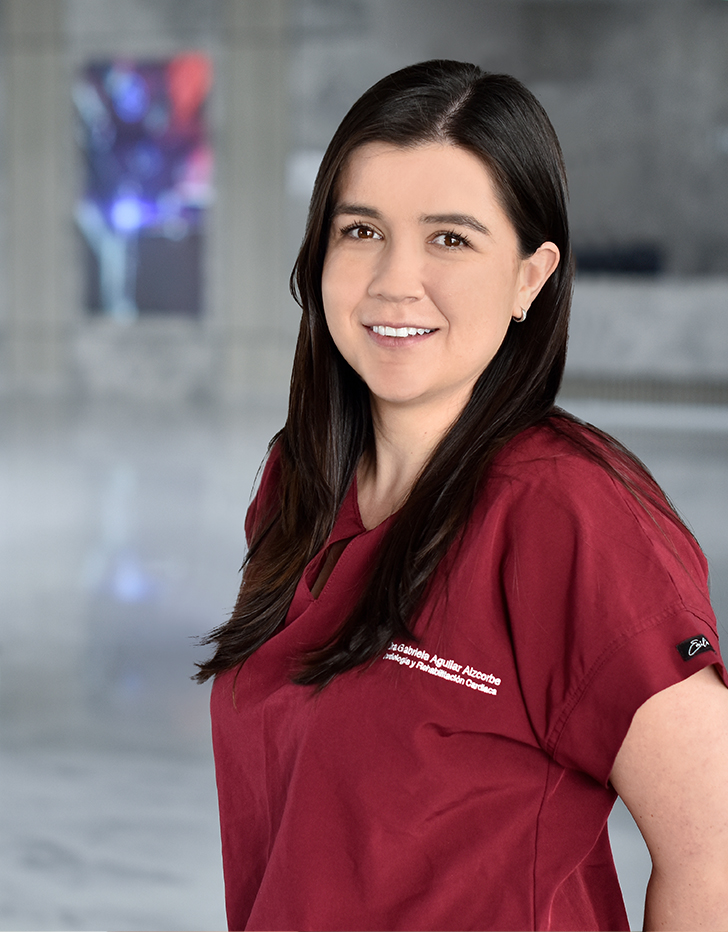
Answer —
535 270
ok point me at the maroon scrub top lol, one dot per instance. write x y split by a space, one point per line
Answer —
461 781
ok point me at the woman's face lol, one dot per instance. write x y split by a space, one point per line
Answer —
423 273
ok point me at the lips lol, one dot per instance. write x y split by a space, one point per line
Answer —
400 331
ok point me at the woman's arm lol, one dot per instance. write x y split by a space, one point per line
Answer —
672 773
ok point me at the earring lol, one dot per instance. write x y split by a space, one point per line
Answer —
522 318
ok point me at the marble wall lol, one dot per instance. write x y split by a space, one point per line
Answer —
637 90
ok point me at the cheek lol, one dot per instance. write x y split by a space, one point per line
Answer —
496 291
338 289
328 291
477 297
331 281
336 305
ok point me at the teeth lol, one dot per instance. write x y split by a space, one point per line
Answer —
400 331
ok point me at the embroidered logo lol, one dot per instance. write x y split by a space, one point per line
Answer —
694 646
412 658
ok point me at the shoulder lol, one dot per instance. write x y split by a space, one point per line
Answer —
580 469
567 496
600 586
544 468
555 450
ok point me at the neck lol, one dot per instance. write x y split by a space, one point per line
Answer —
404 440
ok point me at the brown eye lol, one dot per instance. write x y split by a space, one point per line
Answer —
360 231
450 240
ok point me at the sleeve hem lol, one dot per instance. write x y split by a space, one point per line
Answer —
594 721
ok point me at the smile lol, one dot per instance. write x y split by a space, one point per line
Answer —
400 331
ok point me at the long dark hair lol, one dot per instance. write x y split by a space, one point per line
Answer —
329 424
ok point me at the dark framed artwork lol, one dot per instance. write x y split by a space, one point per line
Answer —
147 184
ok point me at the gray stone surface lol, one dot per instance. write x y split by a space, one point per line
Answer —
108 840
635 89
121 538
670 328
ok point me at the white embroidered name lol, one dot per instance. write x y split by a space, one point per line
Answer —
415 659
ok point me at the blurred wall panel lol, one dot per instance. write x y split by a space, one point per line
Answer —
242 342
637 90
638 93
39 315
256 321
235 347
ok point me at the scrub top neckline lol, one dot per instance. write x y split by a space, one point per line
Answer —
349 521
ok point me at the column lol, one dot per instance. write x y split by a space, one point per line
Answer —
38 203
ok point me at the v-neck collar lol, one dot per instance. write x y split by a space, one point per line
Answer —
348 521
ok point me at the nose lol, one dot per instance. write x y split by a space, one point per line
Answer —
398 274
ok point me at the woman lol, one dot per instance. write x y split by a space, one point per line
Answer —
466 620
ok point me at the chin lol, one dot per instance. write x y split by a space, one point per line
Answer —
405 399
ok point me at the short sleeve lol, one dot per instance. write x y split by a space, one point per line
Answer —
607 604
597 715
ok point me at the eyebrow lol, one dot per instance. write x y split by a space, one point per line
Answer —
465 220
358 209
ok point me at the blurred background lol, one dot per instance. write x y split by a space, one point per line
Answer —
156 158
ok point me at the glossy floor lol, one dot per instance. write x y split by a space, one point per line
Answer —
120 541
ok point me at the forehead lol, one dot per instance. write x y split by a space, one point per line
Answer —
427 172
